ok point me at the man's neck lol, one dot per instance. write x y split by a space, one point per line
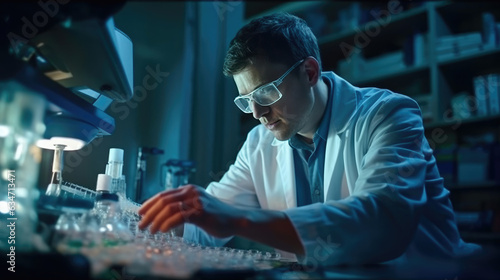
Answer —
320 91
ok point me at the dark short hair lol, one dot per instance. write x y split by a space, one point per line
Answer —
280 38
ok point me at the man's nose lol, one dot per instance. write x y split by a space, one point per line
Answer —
259 111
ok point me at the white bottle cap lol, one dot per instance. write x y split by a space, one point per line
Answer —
103 182
115 154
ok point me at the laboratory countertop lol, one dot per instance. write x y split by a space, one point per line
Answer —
56 266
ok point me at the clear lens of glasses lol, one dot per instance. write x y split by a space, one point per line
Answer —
264 96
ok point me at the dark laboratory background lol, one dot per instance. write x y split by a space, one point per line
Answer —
444 54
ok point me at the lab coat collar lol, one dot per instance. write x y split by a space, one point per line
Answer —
343 106
345 101
277 142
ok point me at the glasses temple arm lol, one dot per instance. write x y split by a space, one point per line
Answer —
280 80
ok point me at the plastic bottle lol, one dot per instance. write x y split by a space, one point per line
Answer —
103 199
113 231
114 168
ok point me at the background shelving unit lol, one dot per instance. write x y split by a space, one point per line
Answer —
404 48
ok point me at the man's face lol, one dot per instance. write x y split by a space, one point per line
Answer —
291 113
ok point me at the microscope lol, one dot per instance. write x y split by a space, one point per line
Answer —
63 64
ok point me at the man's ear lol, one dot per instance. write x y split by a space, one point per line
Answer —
311 66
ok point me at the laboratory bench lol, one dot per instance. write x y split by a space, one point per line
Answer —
58 266
156 266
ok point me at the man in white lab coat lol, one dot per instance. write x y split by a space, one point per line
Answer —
335 174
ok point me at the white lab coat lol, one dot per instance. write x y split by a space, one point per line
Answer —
397 207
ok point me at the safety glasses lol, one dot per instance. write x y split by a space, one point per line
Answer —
265 95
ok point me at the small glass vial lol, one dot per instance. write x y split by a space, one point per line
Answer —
54 188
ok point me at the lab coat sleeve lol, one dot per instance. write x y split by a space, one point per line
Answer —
378 221
234 188
197 235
